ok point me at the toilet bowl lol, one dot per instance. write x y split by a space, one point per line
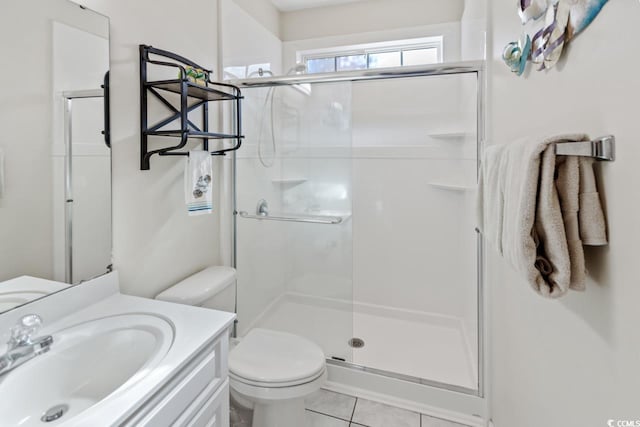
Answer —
274 371
270 372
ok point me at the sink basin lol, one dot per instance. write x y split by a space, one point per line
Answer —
24 289
9 300
87 363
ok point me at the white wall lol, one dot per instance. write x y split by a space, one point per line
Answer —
247 43
368 16
264 12
473 30
155 242
574 361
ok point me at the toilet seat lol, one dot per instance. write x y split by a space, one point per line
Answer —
298 382
268 393
273 359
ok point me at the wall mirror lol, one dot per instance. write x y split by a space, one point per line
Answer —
55 157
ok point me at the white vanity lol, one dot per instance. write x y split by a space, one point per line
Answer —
117 360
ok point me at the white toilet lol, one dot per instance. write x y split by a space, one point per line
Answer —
270 372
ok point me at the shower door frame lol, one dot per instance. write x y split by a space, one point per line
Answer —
68 97
468 67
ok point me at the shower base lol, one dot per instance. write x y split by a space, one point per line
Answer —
414 344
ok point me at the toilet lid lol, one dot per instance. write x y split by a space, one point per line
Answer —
267 356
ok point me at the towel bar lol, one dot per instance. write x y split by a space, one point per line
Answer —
319 219
603 148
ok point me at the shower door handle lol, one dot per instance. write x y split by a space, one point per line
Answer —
309 219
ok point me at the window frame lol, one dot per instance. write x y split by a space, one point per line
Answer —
433 42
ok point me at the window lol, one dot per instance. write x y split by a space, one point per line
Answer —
419 56
385 59
351 62
321 65
399 53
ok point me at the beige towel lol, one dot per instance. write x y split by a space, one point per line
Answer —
593 231
538 211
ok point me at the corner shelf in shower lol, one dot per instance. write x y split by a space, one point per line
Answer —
451 187
289 181
450 135
187 91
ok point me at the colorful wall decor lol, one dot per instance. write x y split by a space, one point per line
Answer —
550 25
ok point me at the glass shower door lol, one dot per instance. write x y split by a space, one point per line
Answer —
356 225
294 203
415 248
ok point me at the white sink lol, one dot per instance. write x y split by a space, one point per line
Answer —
24 289
87 364
9 300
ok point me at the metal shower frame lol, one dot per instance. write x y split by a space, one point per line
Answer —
469 67
68 98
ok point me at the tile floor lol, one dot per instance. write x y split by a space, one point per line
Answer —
329 409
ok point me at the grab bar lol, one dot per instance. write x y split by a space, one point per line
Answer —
294 218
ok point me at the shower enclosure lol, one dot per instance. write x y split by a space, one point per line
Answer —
355 219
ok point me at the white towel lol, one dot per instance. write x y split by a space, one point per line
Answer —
198 180
538 211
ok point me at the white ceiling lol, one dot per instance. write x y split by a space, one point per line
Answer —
290 5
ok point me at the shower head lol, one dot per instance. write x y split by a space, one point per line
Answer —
299 68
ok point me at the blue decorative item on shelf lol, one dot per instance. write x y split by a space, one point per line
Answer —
515 54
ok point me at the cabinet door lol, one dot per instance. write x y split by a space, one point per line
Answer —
211 409
201 378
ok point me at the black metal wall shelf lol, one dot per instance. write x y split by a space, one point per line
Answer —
187 91
193 90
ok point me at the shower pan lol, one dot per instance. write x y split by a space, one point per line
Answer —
360 234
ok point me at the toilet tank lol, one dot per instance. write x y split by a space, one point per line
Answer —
213 287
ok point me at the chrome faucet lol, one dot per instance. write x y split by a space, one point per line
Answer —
22 346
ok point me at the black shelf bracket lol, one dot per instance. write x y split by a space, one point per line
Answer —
165 91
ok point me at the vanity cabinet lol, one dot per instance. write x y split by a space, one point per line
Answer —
119 361
197 396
